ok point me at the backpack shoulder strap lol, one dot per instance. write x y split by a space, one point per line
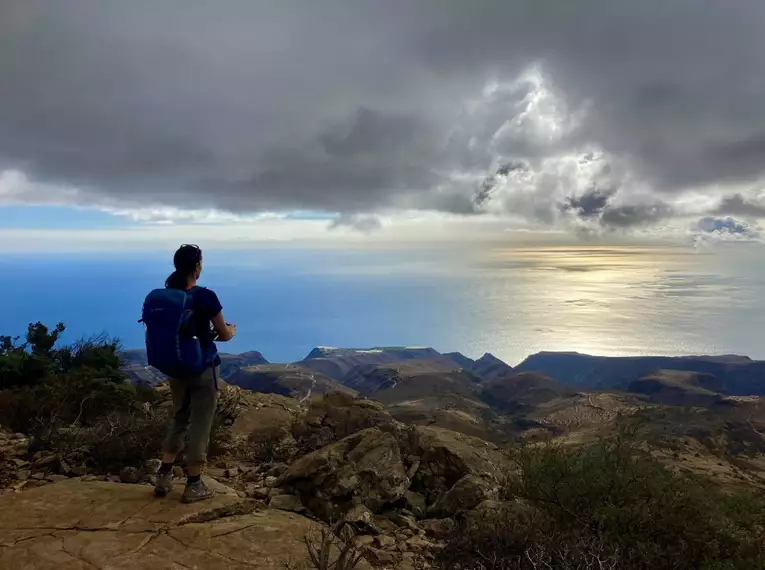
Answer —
190 297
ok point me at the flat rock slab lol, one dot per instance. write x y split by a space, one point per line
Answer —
76 525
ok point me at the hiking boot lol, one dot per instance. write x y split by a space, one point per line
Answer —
197 492
164 483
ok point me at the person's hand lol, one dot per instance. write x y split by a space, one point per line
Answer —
232 327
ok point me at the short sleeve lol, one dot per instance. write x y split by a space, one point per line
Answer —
211 303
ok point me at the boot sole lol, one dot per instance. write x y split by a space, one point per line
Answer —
197 499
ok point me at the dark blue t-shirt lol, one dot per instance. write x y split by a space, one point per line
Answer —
206 308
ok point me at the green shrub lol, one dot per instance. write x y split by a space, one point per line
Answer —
45 387
75 400
611 505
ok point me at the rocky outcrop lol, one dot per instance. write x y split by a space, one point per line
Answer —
264 412
85 525
465 494
362 469
14 467
337 362
446 457
396 384
20 469
336 416
287 380
263 426
232 363
287 503
416 503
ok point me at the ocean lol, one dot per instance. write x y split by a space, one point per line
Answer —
510 301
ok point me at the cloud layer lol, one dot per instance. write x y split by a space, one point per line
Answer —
597 116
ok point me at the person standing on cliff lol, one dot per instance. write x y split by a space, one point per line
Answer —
183 321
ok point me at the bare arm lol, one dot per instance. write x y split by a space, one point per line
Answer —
224 330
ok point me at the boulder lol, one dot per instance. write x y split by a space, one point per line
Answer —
418 544
287 503
64 468
255 492
13 464
130 475
363 540
385 542
78 470
84 525
362 520
233 472
263 425
447 456
415 502
271 481
335 416
385 525
381 557
12 445
402 519
466 494
438 527
46 462
276 470
363 468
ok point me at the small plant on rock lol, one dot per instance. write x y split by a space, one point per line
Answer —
331 548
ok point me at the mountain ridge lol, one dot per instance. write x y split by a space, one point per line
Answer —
739 375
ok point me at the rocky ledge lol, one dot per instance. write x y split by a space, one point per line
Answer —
78 524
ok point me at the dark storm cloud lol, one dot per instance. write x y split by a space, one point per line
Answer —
490 184
364 224
737 205
629 216
356 106
590 204
595 205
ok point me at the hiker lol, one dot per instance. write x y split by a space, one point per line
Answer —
182 322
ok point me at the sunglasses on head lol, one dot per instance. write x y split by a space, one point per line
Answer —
193 247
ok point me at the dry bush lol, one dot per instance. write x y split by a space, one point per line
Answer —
229 406
270 445
331 548
119 439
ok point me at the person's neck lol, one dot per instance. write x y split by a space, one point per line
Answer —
191 284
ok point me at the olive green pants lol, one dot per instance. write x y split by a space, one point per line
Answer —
194 402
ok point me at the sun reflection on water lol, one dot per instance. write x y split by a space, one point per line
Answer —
612 300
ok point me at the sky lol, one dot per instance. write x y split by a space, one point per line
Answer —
239 123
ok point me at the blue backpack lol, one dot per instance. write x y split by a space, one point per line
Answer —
172 344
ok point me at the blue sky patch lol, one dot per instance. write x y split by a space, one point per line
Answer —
58 217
